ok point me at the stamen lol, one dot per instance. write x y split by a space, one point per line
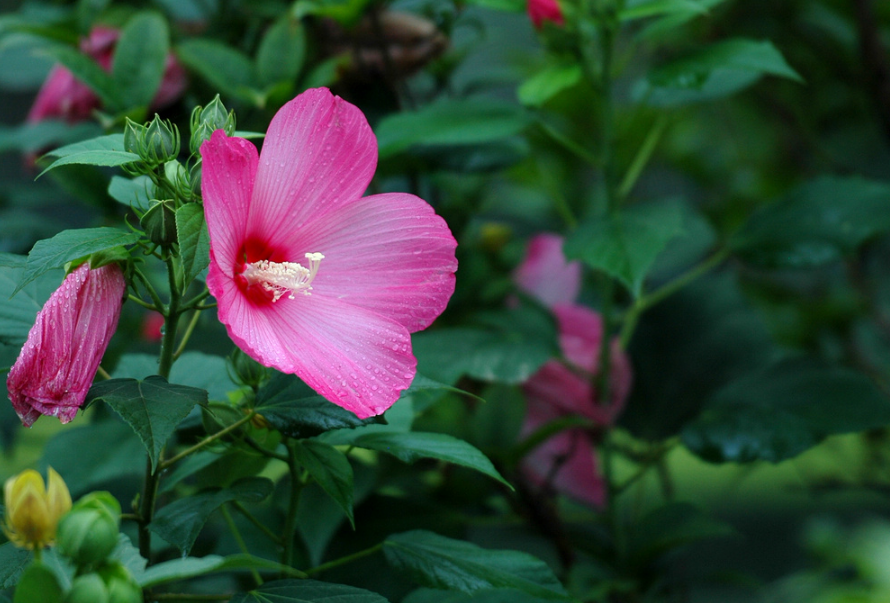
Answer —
279 278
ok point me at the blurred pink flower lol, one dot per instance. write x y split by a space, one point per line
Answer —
56 366
567 459
152 326
544 10
312 278
62 96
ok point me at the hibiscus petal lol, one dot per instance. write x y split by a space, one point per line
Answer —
389 253
353 357
228 173
580 335
319 154
545 273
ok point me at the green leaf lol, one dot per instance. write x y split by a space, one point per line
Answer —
344 12
626 245
651 8
411 446
670 526
87 71
180 522
294 409
820 221
153 407
510 348
191 567
107 452
783 410
38 584
104 150
224 68
302 591
547 83
140 58
450 122
714 72
194 241
195 369
495 595
132 192
441 562
18 313
511 6
331 469
70 245
281 52
13 561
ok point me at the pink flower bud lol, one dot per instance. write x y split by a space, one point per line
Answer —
57 364
544 10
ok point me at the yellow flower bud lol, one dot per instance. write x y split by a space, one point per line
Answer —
32 511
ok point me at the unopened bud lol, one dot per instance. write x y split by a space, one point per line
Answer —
206 120
89 532
88 588
247 371
32 510
159 223
133 135
160 143
122 588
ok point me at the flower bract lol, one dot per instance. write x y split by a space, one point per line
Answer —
56 366
311 278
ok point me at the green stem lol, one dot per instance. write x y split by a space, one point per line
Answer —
142 303
189 329
568 143
645 302
236 534
147 509
155 298
193 302
344 560
168 342
208 440
256 522
265 451
642 157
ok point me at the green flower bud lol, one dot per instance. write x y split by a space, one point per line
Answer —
89 588
206 120
122 588
159 222
89 532
133 135
195 180
247 371
160 142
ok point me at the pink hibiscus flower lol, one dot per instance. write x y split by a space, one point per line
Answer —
540 11
63 96
311 278
567 459
56 366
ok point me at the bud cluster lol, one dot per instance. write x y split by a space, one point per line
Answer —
206 120
155 143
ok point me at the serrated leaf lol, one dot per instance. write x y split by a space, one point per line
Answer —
281 52
716 71
411 446
191 567
440 562
152 407
140 58
302 591
86 70
331 469
195 369
194 241
547 83
820 221
13 561
294 409
783 410
70 245
625 245
180 522
104 150
450 122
